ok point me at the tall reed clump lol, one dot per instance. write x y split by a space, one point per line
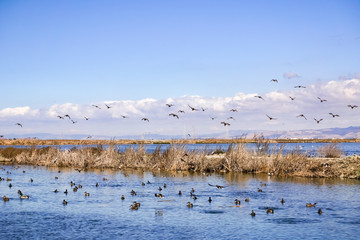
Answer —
330 151
262 144
239 159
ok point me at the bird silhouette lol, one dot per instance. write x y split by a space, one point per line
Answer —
96 106
334 115
225 123
123 116
145 119
203 109
192 108
169 104
107 106
86 118
181 111
73 121
292 98
271 118
352 106
274 80
299 86
19 124
302 115
230 118
318 121
212 118
233 110
60 117
259 97
174 115
322 100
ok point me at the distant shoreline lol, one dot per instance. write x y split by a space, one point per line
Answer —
52 142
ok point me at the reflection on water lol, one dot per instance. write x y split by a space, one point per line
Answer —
105 215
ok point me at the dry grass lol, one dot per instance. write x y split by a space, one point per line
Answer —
330 151
237 158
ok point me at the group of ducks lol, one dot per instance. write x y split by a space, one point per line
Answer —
136 205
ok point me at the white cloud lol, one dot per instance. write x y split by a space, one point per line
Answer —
290 75
251 112
18 111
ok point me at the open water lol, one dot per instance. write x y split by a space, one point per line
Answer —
104 215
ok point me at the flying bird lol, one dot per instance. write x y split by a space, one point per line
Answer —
233 110
259 97
181 111
299 86
318 121
225 123
174 115
322 100
96 106
123 116
108 107
68 116
86 118
145 119
169 104
212 118
334 115
231 118
292 98
19 124
274 80
271 118
73 121
192 108
352 106
60 117
302 115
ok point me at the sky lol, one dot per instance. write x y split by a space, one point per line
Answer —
63 57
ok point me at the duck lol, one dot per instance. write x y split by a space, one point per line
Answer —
319 211
24 196
237 202
282 201
259 190
180 193
189 205
247 199
64 202
97 185
5 198
252 213
269 210
122 197
133 193
142 184
210 200
87 194
310 205
66 191
55 191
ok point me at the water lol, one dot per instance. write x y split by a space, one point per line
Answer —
103 215
308 148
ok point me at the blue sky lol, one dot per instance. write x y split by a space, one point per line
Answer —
81 53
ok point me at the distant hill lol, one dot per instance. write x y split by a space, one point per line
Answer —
326 133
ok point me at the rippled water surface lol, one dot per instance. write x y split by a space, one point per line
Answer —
103 215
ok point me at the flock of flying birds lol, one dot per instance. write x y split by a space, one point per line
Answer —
193 109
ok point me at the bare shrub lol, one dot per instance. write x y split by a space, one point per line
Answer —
262 144
330 151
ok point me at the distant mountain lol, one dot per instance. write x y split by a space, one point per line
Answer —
326 133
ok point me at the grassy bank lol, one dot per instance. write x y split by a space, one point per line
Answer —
255 139
236 158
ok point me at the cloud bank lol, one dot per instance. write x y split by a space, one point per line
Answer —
195 115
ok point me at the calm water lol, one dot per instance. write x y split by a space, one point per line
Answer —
103 215
308 148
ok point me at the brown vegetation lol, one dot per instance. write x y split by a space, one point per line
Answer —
237 158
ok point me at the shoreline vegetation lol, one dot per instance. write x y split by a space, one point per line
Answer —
173 156
255 139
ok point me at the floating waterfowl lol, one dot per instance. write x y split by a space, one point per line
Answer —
320 211
210 200
237 202
180 193
252 213
87 194
247 199
133 193
5 198
310 205
282 201
189 205
64 202
269 210
122 197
